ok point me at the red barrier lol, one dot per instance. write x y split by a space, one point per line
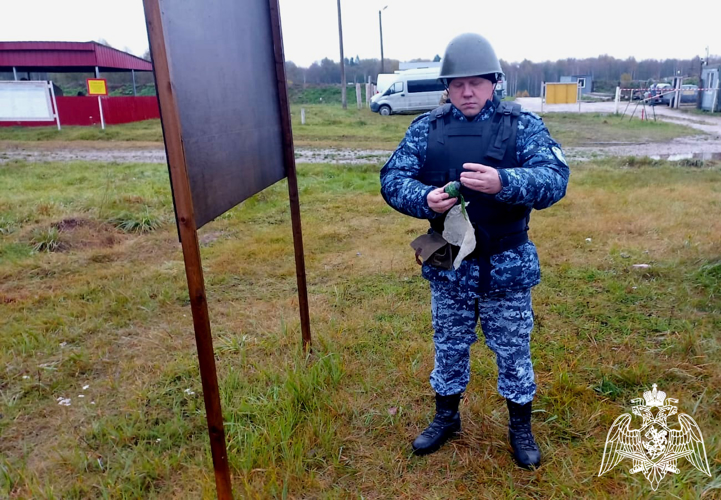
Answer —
78 110
84 111
129 109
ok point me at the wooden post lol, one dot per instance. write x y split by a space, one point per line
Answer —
289 158
191 250
368 92
302 116
358 96
618 99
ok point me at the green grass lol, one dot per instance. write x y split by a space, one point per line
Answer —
323 94
582 129
145 131
136 223
110 311
329 126
46 240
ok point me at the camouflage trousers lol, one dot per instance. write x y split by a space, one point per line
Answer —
506 321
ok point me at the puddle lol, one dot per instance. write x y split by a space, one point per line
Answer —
687 156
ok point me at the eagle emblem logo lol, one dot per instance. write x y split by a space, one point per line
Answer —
655 448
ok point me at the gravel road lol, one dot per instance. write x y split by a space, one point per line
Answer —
705 146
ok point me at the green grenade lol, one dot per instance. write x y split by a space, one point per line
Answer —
453 189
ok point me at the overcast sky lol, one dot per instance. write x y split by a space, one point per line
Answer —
518 29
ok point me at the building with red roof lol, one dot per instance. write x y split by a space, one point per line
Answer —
34 60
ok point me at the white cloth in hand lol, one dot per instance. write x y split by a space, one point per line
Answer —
458 231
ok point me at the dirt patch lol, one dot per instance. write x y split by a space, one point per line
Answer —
344 156
5 299
91 235
79 234
70 224
153 153
211 237
104 155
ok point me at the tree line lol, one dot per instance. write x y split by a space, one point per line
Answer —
526 76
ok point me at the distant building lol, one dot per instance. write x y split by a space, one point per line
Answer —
584 81
710 99
418 65
21 61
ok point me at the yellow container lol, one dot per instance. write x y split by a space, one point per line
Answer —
561 93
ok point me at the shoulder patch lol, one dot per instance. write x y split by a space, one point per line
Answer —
559 154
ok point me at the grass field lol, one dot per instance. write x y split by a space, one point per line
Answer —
100 394
331 127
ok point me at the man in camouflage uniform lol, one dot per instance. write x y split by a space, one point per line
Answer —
507 164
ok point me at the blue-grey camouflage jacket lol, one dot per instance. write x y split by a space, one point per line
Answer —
538 183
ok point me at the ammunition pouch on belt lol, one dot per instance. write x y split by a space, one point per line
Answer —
432 249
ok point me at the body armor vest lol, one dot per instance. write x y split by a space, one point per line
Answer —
451 143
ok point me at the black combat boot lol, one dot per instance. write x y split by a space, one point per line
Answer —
446 423
525 449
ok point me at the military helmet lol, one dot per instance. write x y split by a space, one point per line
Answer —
467 55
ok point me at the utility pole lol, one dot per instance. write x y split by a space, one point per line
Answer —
342 62
380 25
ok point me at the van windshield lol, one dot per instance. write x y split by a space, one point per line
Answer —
394 89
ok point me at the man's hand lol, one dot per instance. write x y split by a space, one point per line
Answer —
481 178
439 201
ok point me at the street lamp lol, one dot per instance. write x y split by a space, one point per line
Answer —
380 24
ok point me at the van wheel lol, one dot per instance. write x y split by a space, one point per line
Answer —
384 110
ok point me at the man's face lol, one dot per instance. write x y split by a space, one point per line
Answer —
470 94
